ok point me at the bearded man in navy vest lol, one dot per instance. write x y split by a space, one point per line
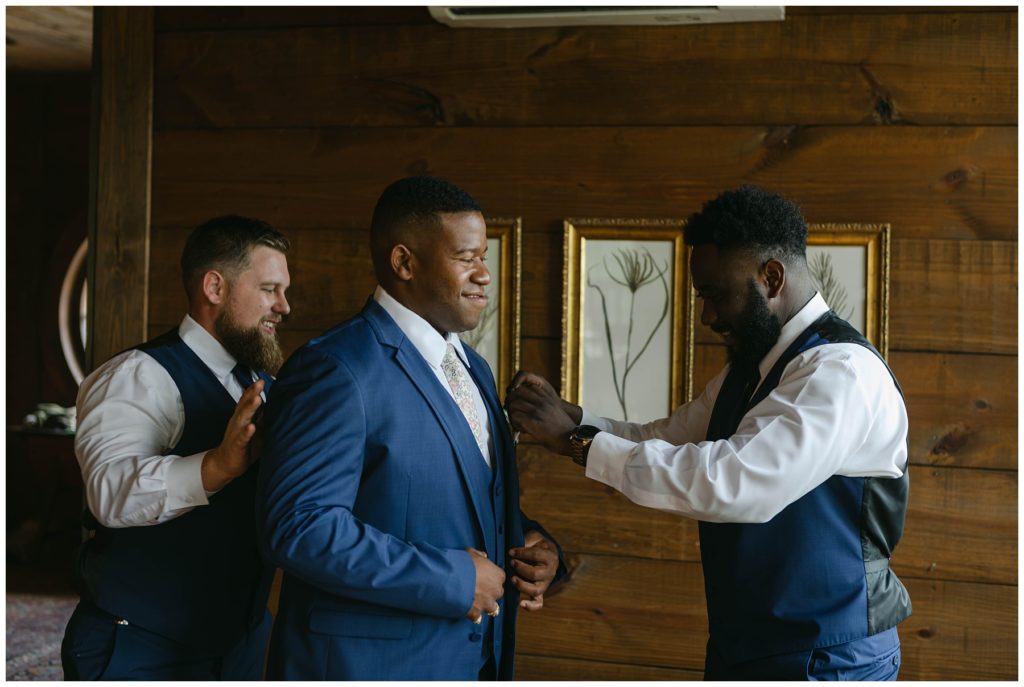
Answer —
793 459
173 586
388 490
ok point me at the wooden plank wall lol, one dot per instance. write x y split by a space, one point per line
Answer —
908 116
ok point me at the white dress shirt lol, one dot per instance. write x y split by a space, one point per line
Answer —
432 346
130 414
835 411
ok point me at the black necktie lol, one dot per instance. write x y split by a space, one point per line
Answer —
732 401
244 375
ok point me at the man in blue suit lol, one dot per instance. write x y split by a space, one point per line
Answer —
388 491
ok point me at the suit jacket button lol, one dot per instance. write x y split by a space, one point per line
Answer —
501 529
476 637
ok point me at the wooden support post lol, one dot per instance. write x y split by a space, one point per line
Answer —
119 216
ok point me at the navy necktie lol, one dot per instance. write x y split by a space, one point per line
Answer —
244 375
732 401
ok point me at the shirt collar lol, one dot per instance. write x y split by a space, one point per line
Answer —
209 350
815 308
430 344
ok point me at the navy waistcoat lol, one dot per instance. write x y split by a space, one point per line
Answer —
197 579
817 574
499 526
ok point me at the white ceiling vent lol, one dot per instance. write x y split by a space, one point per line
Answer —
519 17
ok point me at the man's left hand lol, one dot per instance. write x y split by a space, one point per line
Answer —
535 564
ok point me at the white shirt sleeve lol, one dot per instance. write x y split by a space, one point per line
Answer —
835 411
129 414
689 422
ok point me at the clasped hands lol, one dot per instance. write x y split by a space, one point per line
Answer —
535 564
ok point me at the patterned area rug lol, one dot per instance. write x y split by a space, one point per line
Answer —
35 627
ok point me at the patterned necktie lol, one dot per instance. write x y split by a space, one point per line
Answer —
459 381
243 374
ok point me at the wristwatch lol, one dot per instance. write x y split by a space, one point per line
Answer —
580 438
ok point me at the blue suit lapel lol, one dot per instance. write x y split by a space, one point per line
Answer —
471 464
499 432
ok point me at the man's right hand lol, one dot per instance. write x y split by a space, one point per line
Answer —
534 406
232 458
490 585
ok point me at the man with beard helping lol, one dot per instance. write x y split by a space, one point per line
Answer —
173 587
793 459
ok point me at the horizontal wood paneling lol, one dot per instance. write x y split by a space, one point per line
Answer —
962 408
810 69
652 613
960 631
555 492
949 183
530 667
622 610
955 290
960 525
930 279
199 18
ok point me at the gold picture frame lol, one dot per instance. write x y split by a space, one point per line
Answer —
608 263
849 264
497 336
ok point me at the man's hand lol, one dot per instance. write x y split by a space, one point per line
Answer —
490 586
534 407
535 563
232 458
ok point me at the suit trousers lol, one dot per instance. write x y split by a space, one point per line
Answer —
97 646
874 658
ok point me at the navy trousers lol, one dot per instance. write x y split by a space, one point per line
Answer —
97 647
875 658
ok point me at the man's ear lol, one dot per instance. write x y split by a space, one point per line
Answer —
402 261
215 287
774 275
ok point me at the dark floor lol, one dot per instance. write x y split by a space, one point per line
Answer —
40 598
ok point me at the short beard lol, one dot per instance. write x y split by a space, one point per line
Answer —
759 330
250 347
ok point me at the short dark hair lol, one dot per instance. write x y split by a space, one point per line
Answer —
750 219
224 243
412 203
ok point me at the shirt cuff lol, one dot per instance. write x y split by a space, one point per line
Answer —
607 458
594 420
185 483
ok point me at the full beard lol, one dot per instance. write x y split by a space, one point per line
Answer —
759 331
249 346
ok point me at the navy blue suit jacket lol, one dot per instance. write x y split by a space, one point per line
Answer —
371 487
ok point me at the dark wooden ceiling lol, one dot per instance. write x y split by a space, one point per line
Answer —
52 39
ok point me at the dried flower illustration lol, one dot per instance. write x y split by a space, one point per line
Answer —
634 270
828 285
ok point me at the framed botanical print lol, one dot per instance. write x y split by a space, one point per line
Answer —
496 337
627 317
849 264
